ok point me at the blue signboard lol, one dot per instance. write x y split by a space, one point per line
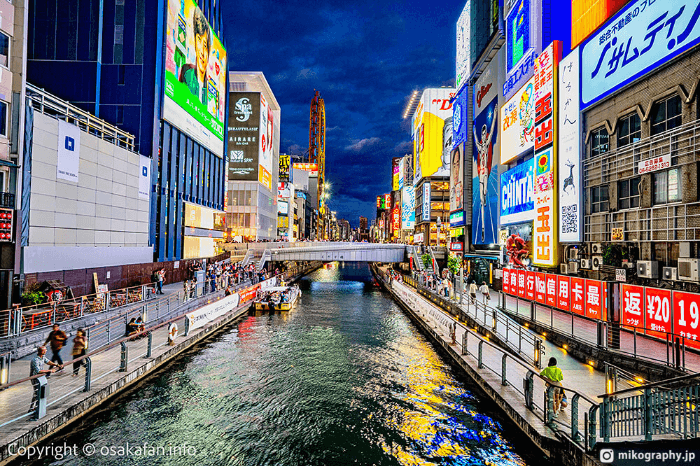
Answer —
408 207
639 38
459 118
517 33
518 194
485 181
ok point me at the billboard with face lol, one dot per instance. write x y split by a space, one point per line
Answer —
195 76
518 123
243 134
457 179
266 143
432 134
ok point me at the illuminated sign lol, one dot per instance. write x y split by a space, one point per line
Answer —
517 33
395 173
432 129
464 68
387 201
284 167
457 219
638 39
545 237
408 207
588 15
518 123
459 118
517 193
396 219
426 201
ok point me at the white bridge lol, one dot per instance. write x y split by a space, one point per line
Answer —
326 252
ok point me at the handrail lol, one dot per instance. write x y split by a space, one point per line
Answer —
682 378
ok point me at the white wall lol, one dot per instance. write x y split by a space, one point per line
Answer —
98 220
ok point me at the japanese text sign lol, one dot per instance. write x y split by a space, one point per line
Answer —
578 301
653 164
530 286
540 288
522 290
658 311
593 295
632 306
686 317
563 294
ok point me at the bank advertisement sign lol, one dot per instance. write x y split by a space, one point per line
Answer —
144 177
426 202
464 66
68 164
195 76
570 195
408 207
518 194
518 123
432 133
243 135
639 38
545 232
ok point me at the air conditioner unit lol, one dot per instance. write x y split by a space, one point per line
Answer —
596 262
670 273
585 263
684 249
573 267
564 268
629 265
648 269
688 269
596 248
573 254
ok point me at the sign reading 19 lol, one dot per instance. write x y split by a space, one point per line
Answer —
693 313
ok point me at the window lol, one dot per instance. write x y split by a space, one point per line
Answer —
666 115
121 74
3 118
4 49
599 199
628 193
600 142
629 130
667 186
118 34
120 114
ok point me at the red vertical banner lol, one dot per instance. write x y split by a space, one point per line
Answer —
578 296
593 294
657 305
522 290
563 293
506 280
540 288
551 290
686 317
530 286
632 306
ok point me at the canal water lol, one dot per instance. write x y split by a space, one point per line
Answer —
345 378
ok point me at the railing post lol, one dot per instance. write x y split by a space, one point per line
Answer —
88 374
538 353
465 335
605 419
528 389
549 406
41 393
107 301
187 326
592 427
124 363
493 321
648 414
480 364
109 324
143 293
504 374
5 362
53 312
82 305
574 417
150 344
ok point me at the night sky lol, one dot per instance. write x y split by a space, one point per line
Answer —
365 57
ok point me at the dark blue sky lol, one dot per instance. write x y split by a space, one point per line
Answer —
365 57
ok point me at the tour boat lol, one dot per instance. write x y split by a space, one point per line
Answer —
278 298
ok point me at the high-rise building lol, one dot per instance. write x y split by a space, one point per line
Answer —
317 143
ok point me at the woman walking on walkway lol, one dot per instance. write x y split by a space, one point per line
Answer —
79 349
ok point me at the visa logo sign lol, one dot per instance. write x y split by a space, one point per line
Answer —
70 144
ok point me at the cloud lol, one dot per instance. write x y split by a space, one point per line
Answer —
404 147
362 144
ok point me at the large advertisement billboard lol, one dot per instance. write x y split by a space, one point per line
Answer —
195 76
485 158
459 117
570 194
588 15
464 64
395 173
625 48
432 134
267 129
518 194
518 123
518 35
408 207
243 134
457 179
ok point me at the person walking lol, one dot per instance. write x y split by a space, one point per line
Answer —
56 339
554 376
79 349
36 367
485 292
161 279
472 292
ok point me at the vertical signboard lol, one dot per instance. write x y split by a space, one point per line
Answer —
284 166
541 288
563 293
518 123
522 287
395 173
432 133
266 142
578 300
457 179
570 215
551 281
243 134
408 207
464 68
658 312
632 306
522 42
506 280
68 164
686 317
530 286
593 292
145 177
426 202
545 228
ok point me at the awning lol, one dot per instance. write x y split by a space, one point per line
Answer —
7 163
493 258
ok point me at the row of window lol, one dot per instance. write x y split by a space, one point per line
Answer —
666 185
665 115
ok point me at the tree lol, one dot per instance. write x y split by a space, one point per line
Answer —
427 260
454 263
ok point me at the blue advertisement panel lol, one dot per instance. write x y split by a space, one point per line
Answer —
517 33
639 38
459 118
485 182
517 194
408 207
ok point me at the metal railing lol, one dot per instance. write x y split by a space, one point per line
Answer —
48 104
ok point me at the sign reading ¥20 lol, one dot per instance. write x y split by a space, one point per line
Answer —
639 38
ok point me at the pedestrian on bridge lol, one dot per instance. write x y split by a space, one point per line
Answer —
80 345
36 367
554 377
472 292
484 290
56 339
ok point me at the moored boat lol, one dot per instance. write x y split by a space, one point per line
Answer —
278 298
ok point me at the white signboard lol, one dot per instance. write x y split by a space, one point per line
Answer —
570 200
68 152
213 311
145 177
269 283
654 164
620 275
518 123
464 67
426 201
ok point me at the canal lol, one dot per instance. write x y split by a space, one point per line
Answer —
345 378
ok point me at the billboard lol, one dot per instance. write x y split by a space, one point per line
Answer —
243 133
464 64
195 76
432 134
485 157
408 207
395 173
545 235
518 123
267 126
519 38
68 163
518 194
625 48
570 194
587 15
457 178
284 166
426 202
459 117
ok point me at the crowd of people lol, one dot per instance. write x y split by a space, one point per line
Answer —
274 297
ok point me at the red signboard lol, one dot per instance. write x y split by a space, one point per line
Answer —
540 288
522 290
632 306
686 317
249 293
551 290
563 300
530 286
506 281
578 301
657 307
593 295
